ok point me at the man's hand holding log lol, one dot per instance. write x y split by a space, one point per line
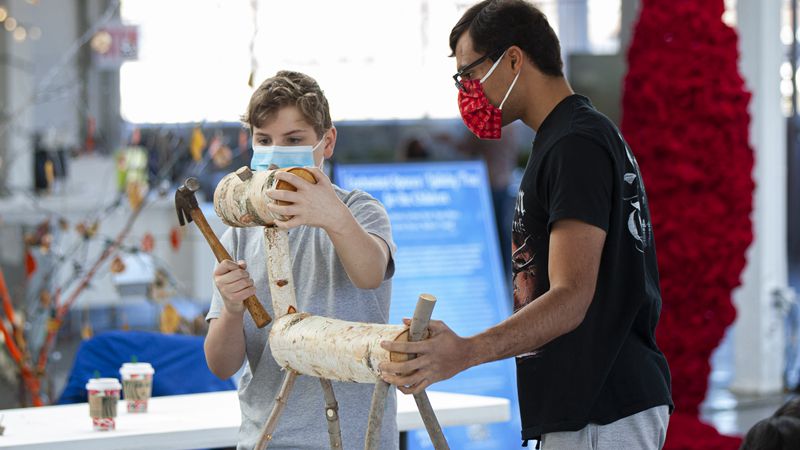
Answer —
443 355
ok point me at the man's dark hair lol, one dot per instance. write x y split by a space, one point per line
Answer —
495 25
773 433
790 408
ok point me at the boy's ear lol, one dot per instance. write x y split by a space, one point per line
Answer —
330 142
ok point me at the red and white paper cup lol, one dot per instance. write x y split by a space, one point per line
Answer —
137 385
103 399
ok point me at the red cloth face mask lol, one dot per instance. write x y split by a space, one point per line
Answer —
479 115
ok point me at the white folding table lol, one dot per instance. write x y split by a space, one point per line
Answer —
200 421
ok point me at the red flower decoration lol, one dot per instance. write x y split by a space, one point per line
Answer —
685 116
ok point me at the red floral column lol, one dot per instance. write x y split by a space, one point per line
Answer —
685 116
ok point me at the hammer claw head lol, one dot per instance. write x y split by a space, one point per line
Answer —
183 218
183 204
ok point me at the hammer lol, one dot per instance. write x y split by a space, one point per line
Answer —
188 211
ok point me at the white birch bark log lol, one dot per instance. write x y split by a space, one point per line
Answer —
279 271
331 348
241 200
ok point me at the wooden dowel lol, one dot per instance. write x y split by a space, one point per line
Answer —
430 421
419 326
422 315
332 414
418 331
372 440
277 409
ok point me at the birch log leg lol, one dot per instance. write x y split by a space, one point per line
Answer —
372 441
279 269
418 331
277 409
332 414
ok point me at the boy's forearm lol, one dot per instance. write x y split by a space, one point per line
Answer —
225 345
363 256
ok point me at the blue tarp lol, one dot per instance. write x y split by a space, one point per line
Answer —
179 363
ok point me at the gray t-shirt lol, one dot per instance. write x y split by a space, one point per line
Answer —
322 288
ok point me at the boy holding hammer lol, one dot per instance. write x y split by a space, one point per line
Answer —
342 252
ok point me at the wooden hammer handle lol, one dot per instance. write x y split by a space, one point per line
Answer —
260 315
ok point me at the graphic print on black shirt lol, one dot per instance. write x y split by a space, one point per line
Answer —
633 192
522 261
522 258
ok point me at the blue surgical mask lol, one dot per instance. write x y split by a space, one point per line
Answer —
282 156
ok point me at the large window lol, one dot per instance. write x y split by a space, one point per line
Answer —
377 59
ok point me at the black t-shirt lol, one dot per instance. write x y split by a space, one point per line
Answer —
609 367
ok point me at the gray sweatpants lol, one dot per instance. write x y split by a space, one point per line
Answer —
646 430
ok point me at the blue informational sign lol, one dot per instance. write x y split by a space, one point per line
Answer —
443 224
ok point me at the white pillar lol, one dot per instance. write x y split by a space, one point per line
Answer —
573 28
16 116
758 336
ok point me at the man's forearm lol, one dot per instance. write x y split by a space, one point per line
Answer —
546 318
361 254
224 345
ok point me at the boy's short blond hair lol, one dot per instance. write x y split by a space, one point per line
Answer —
288 88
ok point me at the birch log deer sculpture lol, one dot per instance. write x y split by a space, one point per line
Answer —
304 344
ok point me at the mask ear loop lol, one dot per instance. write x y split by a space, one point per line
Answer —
320 142
509 90
494 66
321 163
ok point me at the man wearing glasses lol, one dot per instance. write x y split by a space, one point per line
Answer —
586 290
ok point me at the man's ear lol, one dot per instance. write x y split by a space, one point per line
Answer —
516 56
330 143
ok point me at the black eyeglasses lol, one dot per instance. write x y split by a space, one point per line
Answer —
457 77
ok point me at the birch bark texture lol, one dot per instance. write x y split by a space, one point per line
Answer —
279 271
241 200
331 348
